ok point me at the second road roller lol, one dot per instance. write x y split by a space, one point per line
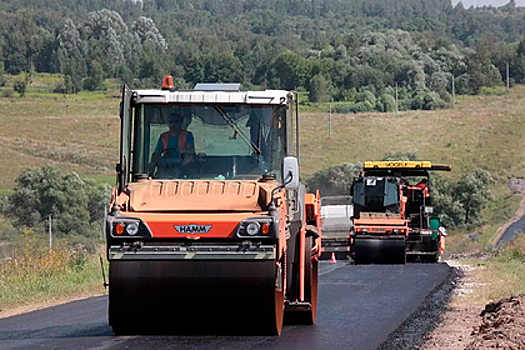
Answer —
393 217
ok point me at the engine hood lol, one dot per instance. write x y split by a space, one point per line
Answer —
199 195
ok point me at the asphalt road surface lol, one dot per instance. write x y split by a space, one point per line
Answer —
359 306
512 231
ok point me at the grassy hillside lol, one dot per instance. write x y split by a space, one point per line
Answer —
482 131
81 133
78 133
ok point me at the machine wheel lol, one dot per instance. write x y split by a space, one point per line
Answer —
311 268
120 330
434 258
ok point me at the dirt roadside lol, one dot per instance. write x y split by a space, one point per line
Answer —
496 325
458 320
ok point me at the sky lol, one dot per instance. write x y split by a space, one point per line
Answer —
468 3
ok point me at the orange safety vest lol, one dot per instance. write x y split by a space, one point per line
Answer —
442 244
183 134
424 187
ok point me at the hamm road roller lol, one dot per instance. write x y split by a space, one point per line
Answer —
209 229
393 214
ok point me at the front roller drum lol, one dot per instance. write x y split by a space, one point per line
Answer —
196 297
379 251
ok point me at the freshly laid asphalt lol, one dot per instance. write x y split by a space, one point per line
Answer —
359 306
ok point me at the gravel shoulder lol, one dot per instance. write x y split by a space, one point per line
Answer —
427 318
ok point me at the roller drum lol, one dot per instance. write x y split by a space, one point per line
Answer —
379 251
195 297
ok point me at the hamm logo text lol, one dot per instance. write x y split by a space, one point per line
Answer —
192 228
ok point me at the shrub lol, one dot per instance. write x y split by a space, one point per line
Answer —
76 204
496 90
334 180
366 96
427 100
387 103
60 88
20 87
8 93
343 109
401 155
364 106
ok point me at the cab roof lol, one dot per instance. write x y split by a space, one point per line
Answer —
205 96
408 166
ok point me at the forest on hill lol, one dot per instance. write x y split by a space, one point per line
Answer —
340 50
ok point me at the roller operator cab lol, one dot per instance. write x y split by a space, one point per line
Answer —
210 230
393 215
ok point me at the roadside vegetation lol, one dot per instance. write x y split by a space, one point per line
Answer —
33 275
52 238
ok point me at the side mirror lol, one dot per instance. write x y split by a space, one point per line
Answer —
291 173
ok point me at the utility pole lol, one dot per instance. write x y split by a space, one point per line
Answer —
330 121
453 93
507 74
397 101
50 234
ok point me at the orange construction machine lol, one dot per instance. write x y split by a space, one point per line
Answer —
393 216
210 229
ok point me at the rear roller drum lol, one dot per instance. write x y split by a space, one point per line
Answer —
379 251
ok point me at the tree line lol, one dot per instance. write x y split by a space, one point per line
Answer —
335 50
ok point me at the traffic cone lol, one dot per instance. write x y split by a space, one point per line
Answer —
332 259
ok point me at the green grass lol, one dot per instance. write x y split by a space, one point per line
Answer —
27 289
76 133
107 179
483 131
495 279
32 275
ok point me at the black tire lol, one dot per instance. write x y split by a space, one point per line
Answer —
311 287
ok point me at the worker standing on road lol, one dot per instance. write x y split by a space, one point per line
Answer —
175 149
